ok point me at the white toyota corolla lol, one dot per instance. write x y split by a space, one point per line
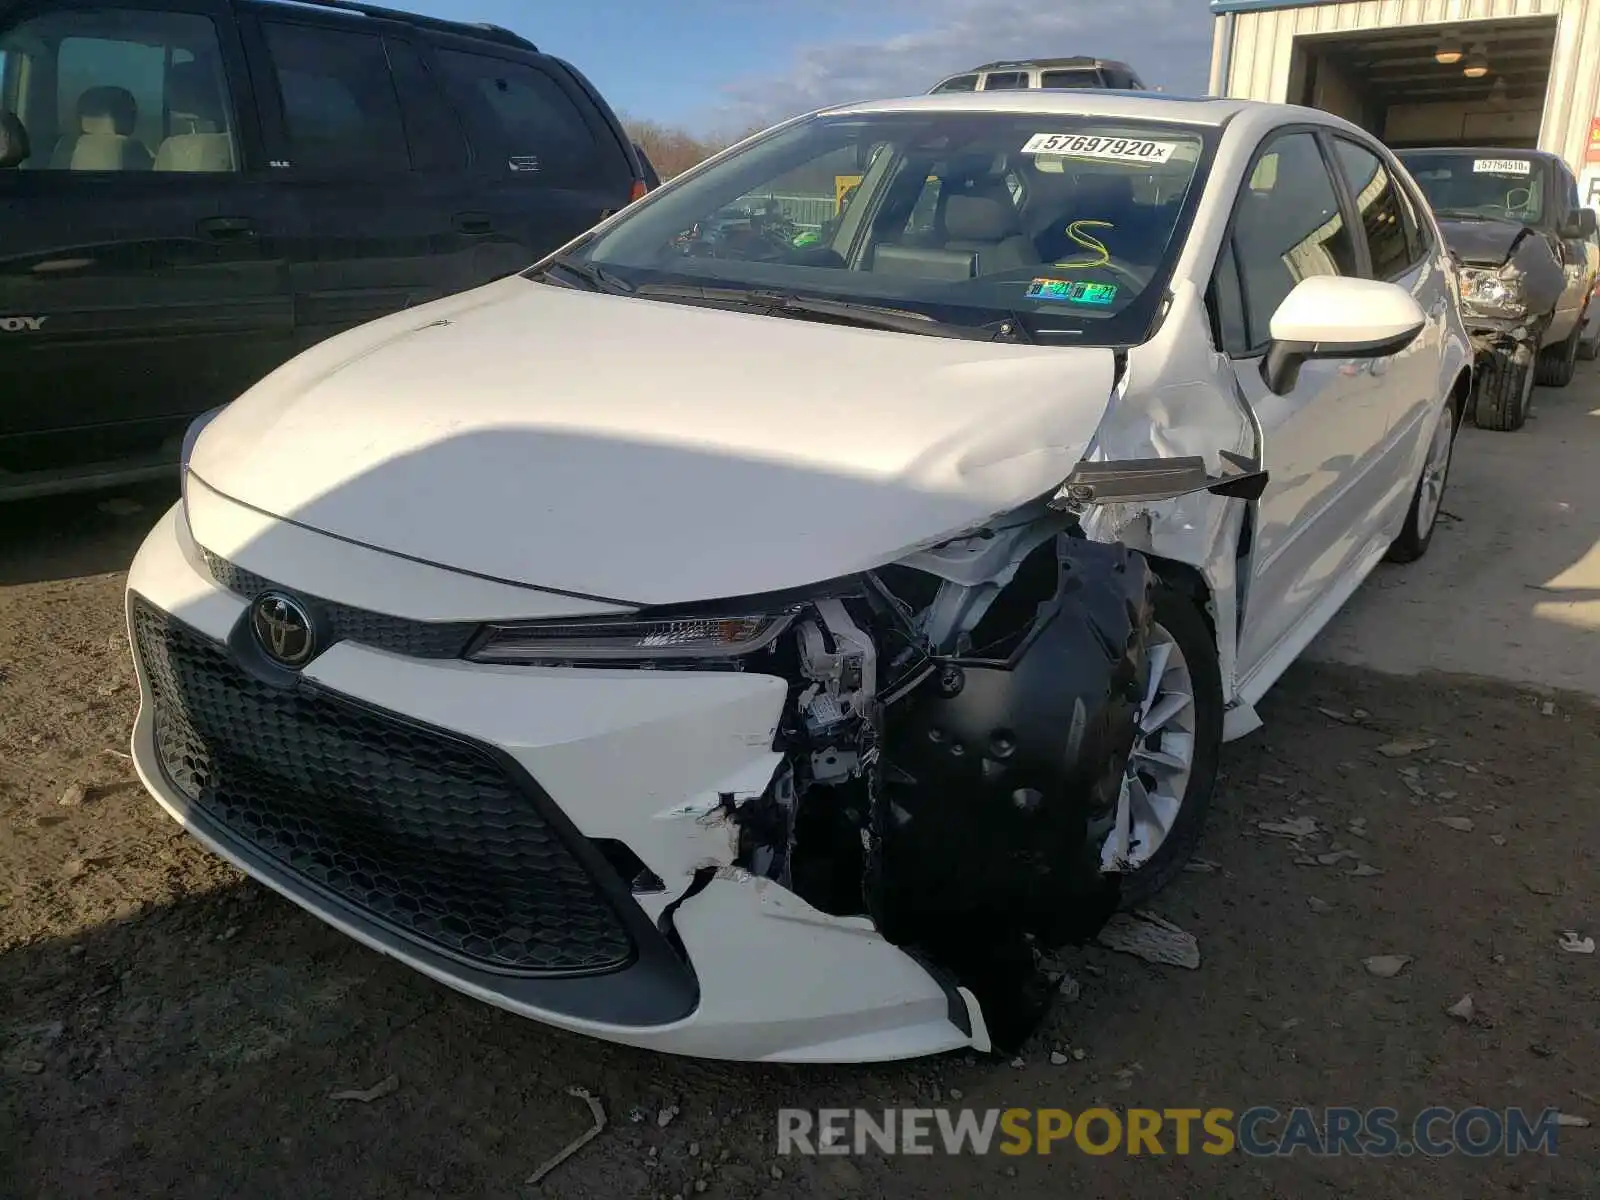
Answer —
768 627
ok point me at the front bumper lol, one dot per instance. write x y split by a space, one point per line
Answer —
381 790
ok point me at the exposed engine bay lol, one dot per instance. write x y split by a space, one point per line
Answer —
956 737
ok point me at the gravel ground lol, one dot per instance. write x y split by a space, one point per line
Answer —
168 1027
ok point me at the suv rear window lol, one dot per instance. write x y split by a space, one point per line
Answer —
339 100
1077 77
1005 81
533 124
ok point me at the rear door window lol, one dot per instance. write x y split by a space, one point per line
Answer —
434 134
530 123
340 109
1005 81
1079 77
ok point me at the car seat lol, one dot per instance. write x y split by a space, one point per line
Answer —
199 123
981 219
105 141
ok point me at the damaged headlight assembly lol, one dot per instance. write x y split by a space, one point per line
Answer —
1492 292
626 642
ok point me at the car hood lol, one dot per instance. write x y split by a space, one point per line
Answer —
650 452
1484 242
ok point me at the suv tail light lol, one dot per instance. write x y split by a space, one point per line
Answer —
638 191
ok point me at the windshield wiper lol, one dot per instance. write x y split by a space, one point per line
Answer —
598 278
846 312
900 320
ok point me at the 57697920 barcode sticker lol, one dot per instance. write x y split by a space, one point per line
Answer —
1088 145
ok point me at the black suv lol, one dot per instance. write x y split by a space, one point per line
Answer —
1520 240
193 191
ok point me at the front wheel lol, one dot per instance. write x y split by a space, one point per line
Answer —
1505 385
1426 500
1173 769
1559 363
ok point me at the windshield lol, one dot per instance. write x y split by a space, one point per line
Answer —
1468 185
1066 223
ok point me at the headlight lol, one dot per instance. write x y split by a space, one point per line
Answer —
609 642
1492 294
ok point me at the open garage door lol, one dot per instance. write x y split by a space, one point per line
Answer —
1474 83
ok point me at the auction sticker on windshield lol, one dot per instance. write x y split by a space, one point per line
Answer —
1502 166
1116 149
1073 292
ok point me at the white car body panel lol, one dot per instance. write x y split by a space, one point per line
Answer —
477 459
766 442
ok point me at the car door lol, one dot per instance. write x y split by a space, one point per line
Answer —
1320 439
138 254
373 224
1572 251
1398 252
548 164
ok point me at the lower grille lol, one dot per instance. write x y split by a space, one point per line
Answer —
426 833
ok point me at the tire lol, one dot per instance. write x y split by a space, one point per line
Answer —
1181 618
1427 498
1559 363
1589 349
1504 387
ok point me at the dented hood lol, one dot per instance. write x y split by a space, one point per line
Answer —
1486 241
646 451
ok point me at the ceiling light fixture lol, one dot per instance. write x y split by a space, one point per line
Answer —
1477 64
1449 52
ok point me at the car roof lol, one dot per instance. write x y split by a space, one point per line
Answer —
357 8
1045 64
1086 103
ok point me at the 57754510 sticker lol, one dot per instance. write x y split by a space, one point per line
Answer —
1502 166
1089 145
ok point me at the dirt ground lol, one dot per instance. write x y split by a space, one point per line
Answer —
169 1028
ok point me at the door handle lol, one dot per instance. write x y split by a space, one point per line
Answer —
227 228
474 224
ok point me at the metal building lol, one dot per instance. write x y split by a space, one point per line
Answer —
1512 73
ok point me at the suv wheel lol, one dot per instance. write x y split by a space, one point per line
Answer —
1505 385
1558 363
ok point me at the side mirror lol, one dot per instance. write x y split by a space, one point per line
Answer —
14 148
1581 224
1330 316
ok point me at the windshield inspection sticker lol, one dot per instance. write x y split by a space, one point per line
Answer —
1116 149
1072 291
1502 166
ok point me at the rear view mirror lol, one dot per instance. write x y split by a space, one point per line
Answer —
1329 316
14 149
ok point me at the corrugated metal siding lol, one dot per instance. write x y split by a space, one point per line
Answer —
1263 51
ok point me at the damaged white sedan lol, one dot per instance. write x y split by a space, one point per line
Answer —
771 626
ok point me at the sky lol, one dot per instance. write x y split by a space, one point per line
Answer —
728 65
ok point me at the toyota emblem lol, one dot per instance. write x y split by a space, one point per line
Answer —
283 629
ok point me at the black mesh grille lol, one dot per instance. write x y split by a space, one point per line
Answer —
415 639
424 832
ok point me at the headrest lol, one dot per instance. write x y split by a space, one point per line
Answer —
103 110
193 99
1110 193
980 217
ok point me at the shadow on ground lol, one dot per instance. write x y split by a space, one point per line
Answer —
64 537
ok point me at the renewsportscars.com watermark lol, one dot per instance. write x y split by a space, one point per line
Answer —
1260 1132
